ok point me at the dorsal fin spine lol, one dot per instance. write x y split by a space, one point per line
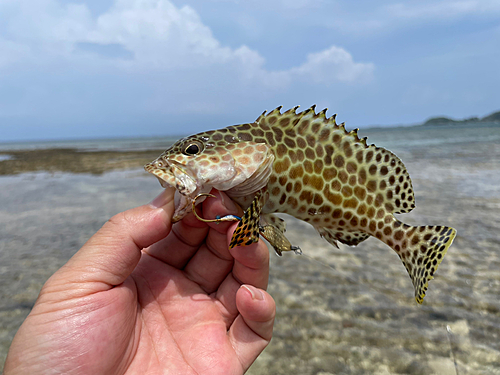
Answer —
276 111
321 115
331 120
261 117
354 133
296 119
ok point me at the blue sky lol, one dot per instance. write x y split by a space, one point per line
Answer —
111 68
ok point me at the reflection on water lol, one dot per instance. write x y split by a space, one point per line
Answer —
339 311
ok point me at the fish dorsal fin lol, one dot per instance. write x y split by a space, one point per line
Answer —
305 120
260 117
381 173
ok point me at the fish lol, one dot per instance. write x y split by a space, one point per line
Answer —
306 165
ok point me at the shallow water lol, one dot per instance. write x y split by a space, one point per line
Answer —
107 144
339 311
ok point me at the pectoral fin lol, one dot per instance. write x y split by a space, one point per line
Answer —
247 231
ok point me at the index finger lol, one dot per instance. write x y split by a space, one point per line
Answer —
189 234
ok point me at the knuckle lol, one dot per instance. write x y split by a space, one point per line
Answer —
121 219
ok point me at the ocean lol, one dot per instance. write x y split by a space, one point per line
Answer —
339 311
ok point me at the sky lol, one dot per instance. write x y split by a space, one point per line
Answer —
124 68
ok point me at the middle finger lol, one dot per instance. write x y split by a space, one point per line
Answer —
213 261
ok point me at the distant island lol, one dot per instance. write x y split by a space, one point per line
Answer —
494 117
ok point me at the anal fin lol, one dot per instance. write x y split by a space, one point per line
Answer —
350 238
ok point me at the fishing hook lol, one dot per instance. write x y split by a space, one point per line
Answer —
218 219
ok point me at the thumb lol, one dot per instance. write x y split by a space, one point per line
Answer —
111 255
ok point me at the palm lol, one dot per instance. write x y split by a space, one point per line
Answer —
170 311
188 319
178 311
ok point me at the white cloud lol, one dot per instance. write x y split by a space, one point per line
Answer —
372 19
160 36
331 65
281 4
443 9
144 62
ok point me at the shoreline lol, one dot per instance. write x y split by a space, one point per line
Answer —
73 160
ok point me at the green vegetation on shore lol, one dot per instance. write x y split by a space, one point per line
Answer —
494 117
73 160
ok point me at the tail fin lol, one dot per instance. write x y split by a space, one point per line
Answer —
422 249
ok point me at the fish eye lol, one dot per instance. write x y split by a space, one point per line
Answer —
193 148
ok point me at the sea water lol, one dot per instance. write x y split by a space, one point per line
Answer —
339 311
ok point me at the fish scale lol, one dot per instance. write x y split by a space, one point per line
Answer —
306 165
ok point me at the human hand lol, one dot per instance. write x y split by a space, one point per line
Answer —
185 304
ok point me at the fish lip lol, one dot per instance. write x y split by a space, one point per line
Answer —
167 178
157 172
168 171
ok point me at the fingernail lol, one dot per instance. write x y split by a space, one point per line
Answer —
163 198
256 293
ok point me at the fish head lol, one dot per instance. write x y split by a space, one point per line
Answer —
198 163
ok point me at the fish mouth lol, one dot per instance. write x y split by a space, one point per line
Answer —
162 174
174 175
